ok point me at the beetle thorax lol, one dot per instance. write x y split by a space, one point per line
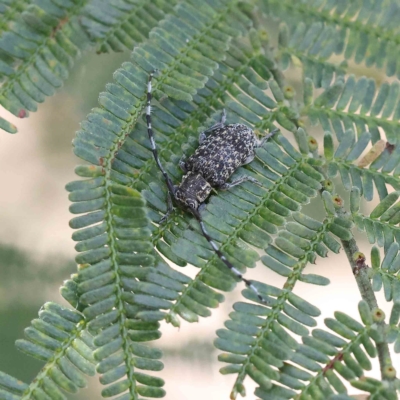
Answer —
193 190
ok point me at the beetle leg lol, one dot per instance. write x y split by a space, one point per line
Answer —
182 164
223 117
201 207
227 185
261 142
218 125
249 159
170 208
202 137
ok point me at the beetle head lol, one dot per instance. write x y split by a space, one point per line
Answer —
193 190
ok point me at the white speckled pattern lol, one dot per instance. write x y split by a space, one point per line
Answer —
222 153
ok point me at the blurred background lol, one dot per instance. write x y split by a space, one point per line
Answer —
35 165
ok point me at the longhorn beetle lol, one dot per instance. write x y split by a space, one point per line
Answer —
214 161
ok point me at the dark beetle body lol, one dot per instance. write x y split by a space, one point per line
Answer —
222 153
192 191
218 156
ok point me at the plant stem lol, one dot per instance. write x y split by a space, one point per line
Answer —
360 271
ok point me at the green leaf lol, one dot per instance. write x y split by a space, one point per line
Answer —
383 206
328 202
308 92
330 96
302 141
354 200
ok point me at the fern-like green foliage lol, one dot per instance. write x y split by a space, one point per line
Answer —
212 55
39 43
59 338
119 25
312 46
337 108
365 31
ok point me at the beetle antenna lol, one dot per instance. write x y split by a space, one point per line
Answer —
221 256
150 132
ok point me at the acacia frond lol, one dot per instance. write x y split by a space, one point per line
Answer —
359 106
386 274
364 31
393 333
10 387
315 368
59 338
40 43
257 346
378 166
381 225
111 254
36 54
119 25
10 11
312 46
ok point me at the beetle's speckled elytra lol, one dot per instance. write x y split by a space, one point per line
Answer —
219 155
